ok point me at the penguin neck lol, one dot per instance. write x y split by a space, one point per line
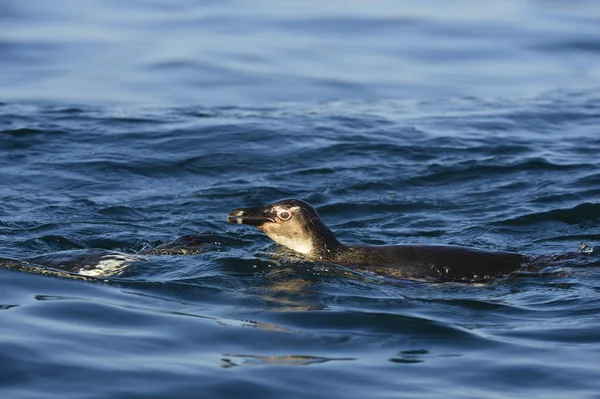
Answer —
333 251
326 251
325 246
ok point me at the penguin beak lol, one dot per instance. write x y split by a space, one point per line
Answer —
253 216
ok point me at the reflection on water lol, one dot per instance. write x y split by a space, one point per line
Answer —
230 360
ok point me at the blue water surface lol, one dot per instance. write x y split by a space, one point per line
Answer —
127 124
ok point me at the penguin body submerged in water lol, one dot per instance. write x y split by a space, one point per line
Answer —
96 262
296 225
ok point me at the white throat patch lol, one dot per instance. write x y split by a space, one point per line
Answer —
295 244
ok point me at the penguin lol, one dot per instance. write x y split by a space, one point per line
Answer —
295 224
96 262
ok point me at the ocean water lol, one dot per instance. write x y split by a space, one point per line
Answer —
127 124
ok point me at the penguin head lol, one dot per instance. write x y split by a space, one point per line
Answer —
292 223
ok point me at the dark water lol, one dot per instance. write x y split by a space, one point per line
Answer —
124 125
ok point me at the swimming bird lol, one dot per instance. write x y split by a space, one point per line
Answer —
96 262
296 225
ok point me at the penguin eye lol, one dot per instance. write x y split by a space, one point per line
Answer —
284 215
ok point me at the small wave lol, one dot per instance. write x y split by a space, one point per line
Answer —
578 214
475 169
